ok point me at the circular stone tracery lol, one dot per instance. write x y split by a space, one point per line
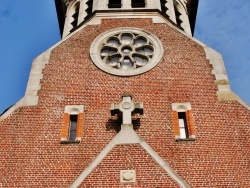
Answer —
126 52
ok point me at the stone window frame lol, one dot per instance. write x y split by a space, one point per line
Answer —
99 40
183 107
65 127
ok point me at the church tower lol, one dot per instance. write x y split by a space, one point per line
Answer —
127 98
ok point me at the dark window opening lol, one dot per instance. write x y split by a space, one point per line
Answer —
183 125
115 4
72 129
138 3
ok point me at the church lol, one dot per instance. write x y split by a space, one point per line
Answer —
127 98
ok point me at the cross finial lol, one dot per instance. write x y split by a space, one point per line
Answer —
126 107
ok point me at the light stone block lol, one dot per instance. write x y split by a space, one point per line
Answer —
30 100
218 71
127 176
157 19
31 92
73 109
152 4
36 76
33 87
33 81
37 67
221 77
95 21
181 107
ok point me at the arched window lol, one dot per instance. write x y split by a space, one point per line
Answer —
183 123
72 124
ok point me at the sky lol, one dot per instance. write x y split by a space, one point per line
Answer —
30 27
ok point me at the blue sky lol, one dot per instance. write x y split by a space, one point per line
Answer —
30 27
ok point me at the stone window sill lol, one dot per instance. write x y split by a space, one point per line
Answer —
185 139
70 142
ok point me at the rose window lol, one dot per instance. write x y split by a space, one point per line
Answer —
126 52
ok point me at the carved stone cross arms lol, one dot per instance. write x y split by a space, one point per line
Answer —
126 107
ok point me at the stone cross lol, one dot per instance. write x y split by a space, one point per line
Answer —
126 107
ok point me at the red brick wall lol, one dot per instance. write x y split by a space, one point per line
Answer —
148 172
31 154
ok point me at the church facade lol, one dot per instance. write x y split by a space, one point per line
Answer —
127 98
